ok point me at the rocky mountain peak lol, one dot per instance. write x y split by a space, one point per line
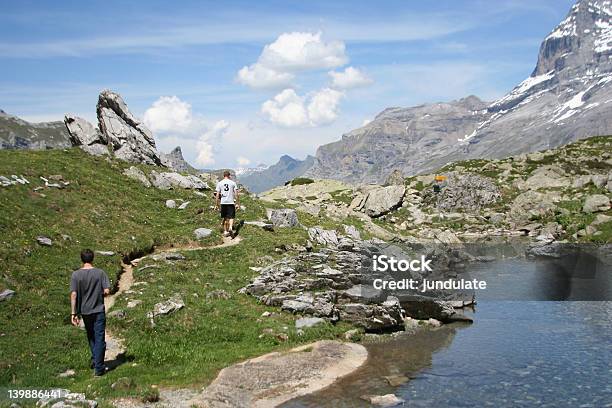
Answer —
583 40
176 161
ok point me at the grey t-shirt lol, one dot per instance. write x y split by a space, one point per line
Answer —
227 188
89 284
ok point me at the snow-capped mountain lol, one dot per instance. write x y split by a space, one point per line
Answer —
246 171
567 97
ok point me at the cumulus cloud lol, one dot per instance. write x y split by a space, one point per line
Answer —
168 114
323 106
259 76
204 146
288 109
349 78
289 53
243 161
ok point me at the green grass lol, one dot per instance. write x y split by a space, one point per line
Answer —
105 210
301 181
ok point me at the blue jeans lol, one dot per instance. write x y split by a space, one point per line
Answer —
95 325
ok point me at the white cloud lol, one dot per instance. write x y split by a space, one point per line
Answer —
323 106
289 53
288 109
204 146
243 161
349 78
168 113
259 76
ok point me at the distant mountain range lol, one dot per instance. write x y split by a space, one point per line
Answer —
16 133
567 97
286 169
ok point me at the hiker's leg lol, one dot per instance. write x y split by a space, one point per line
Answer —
231 224
100 343
88 321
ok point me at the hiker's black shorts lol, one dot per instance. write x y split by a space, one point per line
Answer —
228 211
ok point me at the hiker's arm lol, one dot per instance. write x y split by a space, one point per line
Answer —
217 200
105 285
106 292
74 318
237 199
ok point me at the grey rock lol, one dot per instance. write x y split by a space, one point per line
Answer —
95 149
395 178
83 133
6 294
184 205
285 217
305 322
129 139
44 241
352 231
381 200
323 237
218 294
596 203
136 174
201 233
67 374
387 400
105 253
173 304
170 204
170 180
467 192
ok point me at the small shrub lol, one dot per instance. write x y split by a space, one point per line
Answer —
301 180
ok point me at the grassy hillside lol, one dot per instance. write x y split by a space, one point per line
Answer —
106 211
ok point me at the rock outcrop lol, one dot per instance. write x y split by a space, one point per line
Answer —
84 135
376 201
129 139
170 180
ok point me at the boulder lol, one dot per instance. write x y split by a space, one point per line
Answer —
86 136
201 233
546 177
380 200
532 204
596 203
171 180
466 192
373 317
136 174
396 178
352 231
284 217
323 237
129 139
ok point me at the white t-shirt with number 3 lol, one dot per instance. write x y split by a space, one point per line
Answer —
227 189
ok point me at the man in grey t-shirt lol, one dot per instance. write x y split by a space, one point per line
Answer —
88 286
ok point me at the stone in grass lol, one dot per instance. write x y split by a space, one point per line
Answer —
166 307
388 400
170 203
105 253
596 203
67 374
218 294
202 233
305 322
6 294
44 241
184 205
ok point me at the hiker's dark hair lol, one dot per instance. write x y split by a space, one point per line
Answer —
87 256
226 173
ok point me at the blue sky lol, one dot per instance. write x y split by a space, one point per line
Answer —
243 82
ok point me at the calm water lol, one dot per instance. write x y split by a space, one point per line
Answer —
516 353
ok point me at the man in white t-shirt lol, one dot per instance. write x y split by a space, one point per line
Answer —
228 200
